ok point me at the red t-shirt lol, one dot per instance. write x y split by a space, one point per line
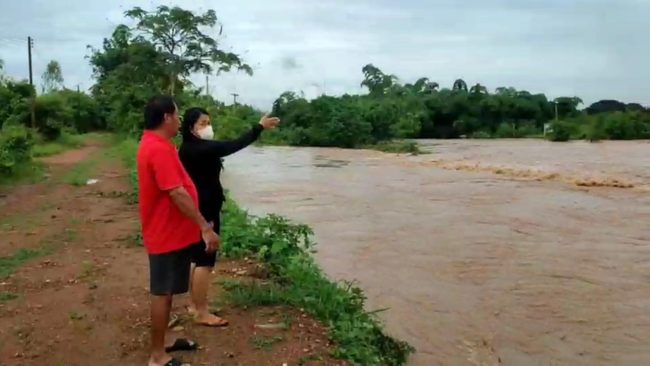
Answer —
164 227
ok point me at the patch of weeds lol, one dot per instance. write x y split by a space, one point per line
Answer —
75 316
88 270
309 358
7 296
9 264
266 343
297 281
64 142
80 173
398 147
287 320
27 173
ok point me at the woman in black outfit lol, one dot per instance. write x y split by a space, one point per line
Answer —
201 157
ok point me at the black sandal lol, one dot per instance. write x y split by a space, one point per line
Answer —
175 362
182 344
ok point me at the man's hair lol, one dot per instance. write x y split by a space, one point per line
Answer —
157 107
190 118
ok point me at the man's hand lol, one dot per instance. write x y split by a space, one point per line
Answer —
269 122
211 239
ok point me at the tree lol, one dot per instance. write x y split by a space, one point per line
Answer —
606 105
424 86
52 77
177 34
567 106
478 89
376 81
459 85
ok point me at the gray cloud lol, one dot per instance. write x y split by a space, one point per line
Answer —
591 48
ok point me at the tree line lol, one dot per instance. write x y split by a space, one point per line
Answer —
392 110
163 47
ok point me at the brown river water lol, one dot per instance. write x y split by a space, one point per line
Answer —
521 252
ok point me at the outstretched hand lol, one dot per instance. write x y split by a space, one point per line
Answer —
269 122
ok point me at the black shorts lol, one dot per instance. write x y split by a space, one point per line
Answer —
169 273
201 258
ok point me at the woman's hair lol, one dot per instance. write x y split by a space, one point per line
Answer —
190 118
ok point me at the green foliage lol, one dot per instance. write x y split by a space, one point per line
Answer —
52 77
562 131
14 102
16 144
399 147
66 109
9 264
183 46
65 141
297 281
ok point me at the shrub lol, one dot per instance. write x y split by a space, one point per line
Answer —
16 144
562 131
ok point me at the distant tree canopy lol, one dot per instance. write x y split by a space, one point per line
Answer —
421 109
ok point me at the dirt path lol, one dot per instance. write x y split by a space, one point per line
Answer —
73 281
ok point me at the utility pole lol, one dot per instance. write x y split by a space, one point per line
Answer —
207 84
234 95
30 44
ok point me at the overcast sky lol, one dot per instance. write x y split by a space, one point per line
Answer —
594 49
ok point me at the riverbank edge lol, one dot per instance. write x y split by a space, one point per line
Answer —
294 279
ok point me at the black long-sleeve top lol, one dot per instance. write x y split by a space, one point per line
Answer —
202 161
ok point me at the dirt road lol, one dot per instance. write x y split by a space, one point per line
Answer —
73 281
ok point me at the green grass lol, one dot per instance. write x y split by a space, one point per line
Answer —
309 358
298 282
26 173
9 264
7 296
88 168
398 147
66 142
285 249
266 343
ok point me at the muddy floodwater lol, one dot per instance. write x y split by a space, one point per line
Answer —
521 252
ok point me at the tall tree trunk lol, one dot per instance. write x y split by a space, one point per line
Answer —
172 83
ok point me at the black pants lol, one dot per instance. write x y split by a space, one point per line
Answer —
169 273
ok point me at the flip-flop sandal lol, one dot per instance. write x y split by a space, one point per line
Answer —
173 321
182 344
176 362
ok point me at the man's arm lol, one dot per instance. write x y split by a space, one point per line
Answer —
186 205
167 173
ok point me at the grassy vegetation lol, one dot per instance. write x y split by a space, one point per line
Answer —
7 296
295 280
64 142
86 169
26 173
398 147
9 264
266 343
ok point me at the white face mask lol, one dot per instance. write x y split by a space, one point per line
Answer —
206 133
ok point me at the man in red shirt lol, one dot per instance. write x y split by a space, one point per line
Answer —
171 221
